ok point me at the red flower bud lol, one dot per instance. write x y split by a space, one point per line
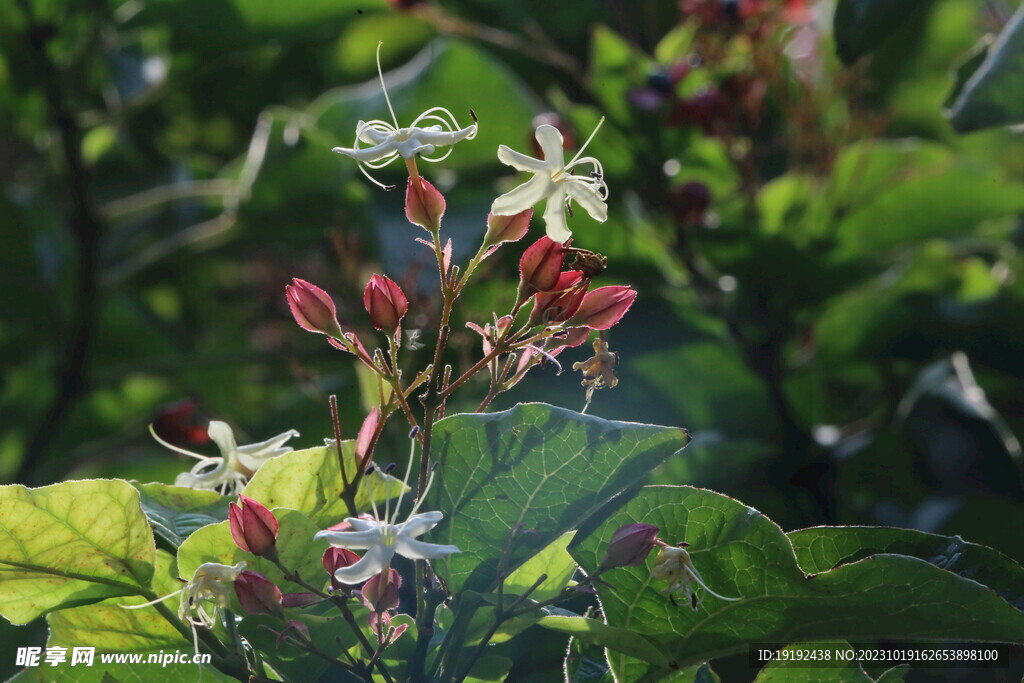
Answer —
253 527
339 558
299 599
540 266
629 546
385 302
424 205
257 594
559 304
604 307
502 229
312 308
380 593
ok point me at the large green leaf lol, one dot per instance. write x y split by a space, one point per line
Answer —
310 481
536 468
618 639
740 553
71 544
822 548
295 546
175 511
992 95
110 628
862 25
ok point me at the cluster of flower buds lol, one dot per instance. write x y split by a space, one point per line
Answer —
562 297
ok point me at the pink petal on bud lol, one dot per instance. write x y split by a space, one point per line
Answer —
366 432
312 308
257 594
604 307
385 301
380 593
335 559
564 299
630 545
299 599
424 205
501 229
540 266
253 527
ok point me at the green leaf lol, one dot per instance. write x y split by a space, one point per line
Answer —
740 553
936 201
840 670
490 669
992 95
535 467
295 547
110 628
71 544
618 639
553 561
860 26
310 481
822 548
175 511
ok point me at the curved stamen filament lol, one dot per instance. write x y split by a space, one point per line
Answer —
175 448
382 87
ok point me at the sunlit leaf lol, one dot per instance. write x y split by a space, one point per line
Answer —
71 544
536 468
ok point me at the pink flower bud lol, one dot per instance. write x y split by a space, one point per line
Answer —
365 437
604 307
335 559
385 302
299 599
257 594
380 593
559 304
629 546
253 527
540 266
424 205
312 308
502 229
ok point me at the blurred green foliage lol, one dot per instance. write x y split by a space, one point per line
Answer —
837 318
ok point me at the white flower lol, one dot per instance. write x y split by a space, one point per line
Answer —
229 472
389 141
211 582
675 566
383 538
554 182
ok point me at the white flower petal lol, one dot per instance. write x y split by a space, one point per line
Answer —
371 134
523 197
371 563
435 135
551 143
384 149
585 194
418 550
554 217
272 444
221 434
352 540
521 162
417 525
413 146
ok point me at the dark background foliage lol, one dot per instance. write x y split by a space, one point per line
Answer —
829 272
